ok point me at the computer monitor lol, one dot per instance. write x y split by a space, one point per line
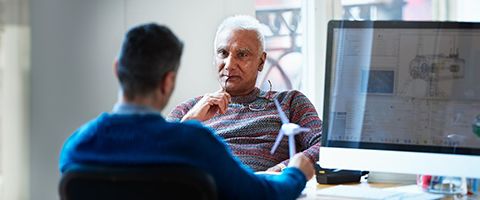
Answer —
402 97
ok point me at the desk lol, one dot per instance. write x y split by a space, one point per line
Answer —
312 187
310 191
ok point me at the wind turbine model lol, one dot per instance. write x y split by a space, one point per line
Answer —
287 128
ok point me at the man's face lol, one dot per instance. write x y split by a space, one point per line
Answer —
238 60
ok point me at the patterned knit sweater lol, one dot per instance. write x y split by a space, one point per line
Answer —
251 125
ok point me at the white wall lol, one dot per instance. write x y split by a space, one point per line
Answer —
73 47
195 22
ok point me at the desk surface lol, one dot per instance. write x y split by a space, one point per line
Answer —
310 191
312 187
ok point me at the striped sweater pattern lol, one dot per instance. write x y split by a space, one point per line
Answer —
251 125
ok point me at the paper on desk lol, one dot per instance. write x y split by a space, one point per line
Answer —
413 192
359 192
356 192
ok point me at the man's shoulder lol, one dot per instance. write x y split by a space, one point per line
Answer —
289 95
181 109
149 122
94 124
190 101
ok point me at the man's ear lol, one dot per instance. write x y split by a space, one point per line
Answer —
263 57
115 67
168 83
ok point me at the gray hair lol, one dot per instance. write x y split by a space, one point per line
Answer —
242 22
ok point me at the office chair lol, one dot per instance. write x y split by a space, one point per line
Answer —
87 182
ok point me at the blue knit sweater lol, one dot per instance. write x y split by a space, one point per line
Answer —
148 139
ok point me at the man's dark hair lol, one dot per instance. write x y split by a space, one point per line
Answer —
148 52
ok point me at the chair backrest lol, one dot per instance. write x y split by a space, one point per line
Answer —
120 183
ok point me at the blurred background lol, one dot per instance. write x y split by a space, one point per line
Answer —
56 60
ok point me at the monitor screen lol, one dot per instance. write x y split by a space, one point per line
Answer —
402 97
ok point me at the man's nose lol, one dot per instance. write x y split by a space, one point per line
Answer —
230 63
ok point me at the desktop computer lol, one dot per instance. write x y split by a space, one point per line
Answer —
402 97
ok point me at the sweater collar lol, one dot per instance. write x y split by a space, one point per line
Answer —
252 96
128 108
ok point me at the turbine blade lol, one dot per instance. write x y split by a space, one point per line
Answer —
277 142
300 130
283 117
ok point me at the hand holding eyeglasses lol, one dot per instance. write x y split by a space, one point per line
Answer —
209 105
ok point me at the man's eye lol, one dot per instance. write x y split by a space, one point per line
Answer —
222 53
242 54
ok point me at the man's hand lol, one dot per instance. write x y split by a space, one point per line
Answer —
301 162
208 106
277 168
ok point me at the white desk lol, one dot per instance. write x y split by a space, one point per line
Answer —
312 187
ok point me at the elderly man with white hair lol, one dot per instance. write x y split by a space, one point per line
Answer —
242 114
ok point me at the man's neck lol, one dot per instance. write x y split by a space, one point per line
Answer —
242 93
147 101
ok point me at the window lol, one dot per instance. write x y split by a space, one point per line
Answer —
283 22
465 10
387 10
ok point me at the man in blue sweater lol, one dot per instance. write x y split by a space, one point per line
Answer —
136 133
